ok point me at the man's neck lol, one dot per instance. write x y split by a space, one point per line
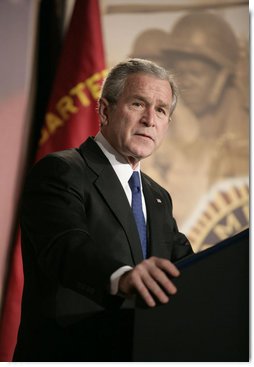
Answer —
108 149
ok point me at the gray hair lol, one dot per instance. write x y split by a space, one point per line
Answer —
114 83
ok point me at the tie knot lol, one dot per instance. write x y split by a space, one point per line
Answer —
134 182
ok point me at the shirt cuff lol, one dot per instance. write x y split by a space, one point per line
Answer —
115 277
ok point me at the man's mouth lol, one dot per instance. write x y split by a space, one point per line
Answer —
145 136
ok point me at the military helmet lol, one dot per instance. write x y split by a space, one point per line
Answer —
149 43
206 35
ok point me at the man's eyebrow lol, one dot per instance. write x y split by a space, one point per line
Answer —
137 96
163 104
141 98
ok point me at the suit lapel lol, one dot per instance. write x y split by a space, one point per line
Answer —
108 184
155 216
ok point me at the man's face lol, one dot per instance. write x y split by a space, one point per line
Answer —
198 78
137 123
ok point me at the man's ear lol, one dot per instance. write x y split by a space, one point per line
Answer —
103 111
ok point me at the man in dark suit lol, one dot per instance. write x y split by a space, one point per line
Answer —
85 249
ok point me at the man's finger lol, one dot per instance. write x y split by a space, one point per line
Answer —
143 291
131 282
167 266
163 280
154 288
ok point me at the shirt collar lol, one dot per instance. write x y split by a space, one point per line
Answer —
121 167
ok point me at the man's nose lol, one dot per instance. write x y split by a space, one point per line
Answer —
148 117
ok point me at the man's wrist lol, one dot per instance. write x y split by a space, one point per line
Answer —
115 277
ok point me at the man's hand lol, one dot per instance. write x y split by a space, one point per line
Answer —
151 280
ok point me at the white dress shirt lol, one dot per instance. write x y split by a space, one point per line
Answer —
123 171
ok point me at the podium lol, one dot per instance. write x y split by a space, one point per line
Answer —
208 319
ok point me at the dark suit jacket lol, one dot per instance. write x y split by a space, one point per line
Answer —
77 229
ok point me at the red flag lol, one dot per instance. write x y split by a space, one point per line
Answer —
70 119
72 112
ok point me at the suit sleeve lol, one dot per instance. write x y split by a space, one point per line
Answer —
54 230
181 244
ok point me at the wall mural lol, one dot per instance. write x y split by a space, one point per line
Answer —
204 160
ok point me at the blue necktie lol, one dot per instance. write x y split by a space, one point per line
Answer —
136 204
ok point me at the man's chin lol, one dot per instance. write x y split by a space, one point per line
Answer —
143 154
144 148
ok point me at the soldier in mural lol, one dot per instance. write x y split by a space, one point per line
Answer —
150 45
206 55
208 140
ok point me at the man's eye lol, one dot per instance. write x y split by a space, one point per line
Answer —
137 104
161 110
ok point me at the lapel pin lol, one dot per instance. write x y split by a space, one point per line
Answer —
158 200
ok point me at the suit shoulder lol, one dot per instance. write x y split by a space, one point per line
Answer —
155 186
70 157
151 182
55 164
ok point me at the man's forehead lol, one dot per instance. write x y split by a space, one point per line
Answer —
143 76
139 83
